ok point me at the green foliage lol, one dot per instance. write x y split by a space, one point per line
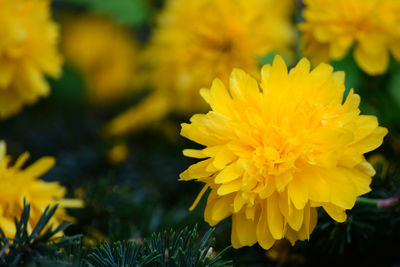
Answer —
42 248
41 242
354 76
181 249
167 249
129 12
125 253
394 88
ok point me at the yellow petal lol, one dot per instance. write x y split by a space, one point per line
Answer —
196 171
343 191
3 150
244 87
360 180
318 188
245 229
272 76
71 203
238 202
264 236
6 74
219 98
229 173
194 153
146 112
365 125
310 221
282 180
274 216
230 187
40 167
222 208
199 196
369 143
395 48
21 160
336 213
223 157
366 168
205 94
373 63
298 193
320 75
295 220
234 234
302 67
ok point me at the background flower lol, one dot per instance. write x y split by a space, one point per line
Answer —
332 27
28 51
18 185
105 53
198 40
275 154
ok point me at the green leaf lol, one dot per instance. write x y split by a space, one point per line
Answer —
267 58
70 87
354 76
394 88
129 12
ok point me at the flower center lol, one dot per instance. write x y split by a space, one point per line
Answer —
271 161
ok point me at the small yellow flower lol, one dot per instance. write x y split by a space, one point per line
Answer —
105 53
332 27
198 40
17 185
28 51
277 150
118 154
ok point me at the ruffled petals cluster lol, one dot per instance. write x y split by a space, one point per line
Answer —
278 149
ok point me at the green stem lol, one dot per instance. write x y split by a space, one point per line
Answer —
384 203
367 201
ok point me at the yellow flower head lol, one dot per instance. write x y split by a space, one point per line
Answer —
198 40
105 53
277 150
28 51
332 27
17 184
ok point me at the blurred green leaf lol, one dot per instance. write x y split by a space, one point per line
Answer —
354 76
394 88
129 12
267 58
69 88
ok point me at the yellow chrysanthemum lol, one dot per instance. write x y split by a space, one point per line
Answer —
105 52
198 40
17 184
275 154
28 51
332 27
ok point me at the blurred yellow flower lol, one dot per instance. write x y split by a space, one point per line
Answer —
118 153
275 154
28 51
105 53
198 40
17 184
332 27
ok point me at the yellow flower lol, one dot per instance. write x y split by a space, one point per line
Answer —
332 27
28 51
198 40
275 154
17 184
118 154
105 53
